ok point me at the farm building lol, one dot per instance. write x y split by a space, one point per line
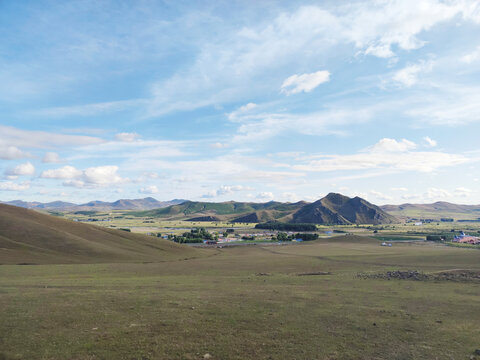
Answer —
466 239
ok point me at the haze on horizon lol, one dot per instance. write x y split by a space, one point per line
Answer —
240 100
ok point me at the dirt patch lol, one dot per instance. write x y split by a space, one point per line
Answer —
455 275
315 273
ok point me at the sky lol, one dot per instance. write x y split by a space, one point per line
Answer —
240 100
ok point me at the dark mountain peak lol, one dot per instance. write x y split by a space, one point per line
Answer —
340 209
336 198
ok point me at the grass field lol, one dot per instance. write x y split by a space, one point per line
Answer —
247 302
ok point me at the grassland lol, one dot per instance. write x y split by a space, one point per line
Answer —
27 236
247 303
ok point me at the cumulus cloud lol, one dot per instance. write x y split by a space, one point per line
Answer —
471 57
149 190
90 177
408 76
25 169
51 157
429 142
226 190
11 186
305 82
12 153
66 172
392 145
126 137
264 196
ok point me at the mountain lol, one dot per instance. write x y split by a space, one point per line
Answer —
339 209
127 204
225 211
28 236
332 209
96 205
437 210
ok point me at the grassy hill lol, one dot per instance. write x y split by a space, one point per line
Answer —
339 209
27 236
230 210
437 210
332 209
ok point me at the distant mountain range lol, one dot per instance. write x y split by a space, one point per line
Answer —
332 209
122 204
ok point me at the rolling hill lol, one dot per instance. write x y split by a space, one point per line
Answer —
28 236
437 210
332 209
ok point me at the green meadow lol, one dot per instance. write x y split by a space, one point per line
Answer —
298 301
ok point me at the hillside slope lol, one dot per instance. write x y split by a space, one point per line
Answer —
437 210
27 236
339 209
332 209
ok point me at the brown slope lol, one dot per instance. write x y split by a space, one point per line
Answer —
27 236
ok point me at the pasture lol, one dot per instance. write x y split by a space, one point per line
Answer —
298 301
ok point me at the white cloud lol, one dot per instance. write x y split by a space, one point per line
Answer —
305 82
392 145
463 192
408 76
247 107
471 57
403 189
430 142
380 196
127 137
226 190
241 111
10 136
90 177
219 145
102 175
66 172
230 63
434 194
290 197
149 190
450 105
11 186
264 196
21 170
88 109
11 153
264 126
387 154
51 157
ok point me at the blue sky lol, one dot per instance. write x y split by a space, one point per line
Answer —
240 100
